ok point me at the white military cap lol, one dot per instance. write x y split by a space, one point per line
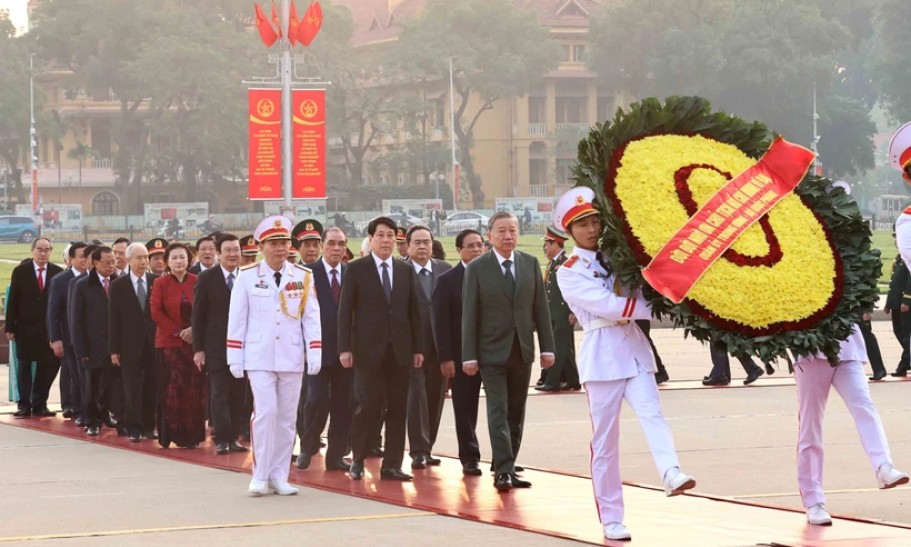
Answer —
274 227
575 204
900 148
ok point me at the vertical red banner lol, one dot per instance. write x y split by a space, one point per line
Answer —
265 137
308 125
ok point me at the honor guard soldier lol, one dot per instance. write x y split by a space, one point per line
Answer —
273 325
401 242
900 159
156 247
898 306
563 375
310 233
249 250
616 362
294 254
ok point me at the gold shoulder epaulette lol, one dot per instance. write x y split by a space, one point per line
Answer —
301 267
248 266
570 261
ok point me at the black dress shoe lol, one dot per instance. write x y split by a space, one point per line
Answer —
878 376
110 422
545 387
357 470
341 464
570 387
68 413
716 381
149 435
80 421
769 369
375 453
753 376
519 483
235 446
471 469
221 449
92 431
394 474
661 377
419 462
303 461
135 437
503 482
433 461
22 413
43 413
539 383
902 373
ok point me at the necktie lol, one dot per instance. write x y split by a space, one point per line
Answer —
278 279
141 293
510 279
106 283
600 258
41 279
230 282
387 284
335 286
426 282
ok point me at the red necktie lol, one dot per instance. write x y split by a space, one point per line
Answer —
335 286
41 279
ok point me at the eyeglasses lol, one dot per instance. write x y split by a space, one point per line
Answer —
474 246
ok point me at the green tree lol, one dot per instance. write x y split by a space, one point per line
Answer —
14 103
846 137
500 52
894 68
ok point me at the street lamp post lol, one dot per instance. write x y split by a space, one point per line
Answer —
455 170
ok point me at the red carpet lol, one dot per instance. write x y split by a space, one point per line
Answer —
558 504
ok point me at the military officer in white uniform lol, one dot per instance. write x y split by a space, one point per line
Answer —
615 361
900 159
273 326
815 377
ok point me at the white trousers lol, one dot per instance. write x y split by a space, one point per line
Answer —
275 397
814 377
604 401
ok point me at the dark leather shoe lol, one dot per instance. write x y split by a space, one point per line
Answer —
503 482
22 413
716 381
80 421
149 435
769 369
92 431
519 483
43 413
661 377
539 383
900 374
341 464
135 437
878 376
110 422
357 470
571 387
394 474
303 461
516 468
433 461
375 453
753 376
545 387
419 462
471 469
235 446
68 413
221 449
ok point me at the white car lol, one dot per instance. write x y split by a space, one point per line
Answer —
463 220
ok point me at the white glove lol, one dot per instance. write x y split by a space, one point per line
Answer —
313 368
237 370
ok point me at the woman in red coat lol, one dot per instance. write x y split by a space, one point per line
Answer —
182 385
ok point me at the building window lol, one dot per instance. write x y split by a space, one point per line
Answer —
101 140
105 203
537 171
572 110
537 110
565 171
605 108
437 113
567 50
579 54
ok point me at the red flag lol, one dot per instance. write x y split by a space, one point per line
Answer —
266 32
293 24
276 19
310 24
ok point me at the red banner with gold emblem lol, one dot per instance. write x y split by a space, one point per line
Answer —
717 225
265 137
308 125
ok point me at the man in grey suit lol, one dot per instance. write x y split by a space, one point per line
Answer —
427 390
503 303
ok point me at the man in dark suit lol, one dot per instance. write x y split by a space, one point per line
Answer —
503 304
898 306
564 374
132 343
102 385
58 328
26 322
379 334
120 256
428 389
206 255
447 330
329 393
210 330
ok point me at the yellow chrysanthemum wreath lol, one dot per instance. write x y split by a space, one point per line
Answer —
797 280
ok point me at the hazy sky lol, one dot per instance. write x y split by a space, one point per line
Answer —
17 11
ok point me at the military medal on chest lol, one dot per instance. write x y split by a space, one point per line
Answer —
293 299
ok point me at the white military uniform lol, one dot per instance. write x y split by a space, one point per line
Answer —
615 363
271 330
899 157
815 376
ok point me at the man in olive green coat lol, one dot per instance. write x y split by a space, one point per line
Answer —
503 304
564 375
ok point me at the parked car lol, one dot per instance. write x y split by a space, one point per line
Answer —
402 220
463 220
21 229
